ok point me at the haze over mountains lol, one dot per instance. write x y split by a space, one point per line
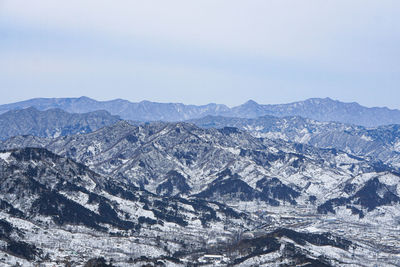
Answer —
52 122
79 181
319 109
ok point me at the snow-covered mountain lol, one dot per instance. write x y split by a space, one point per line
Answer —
54 210
178 194
52 122
225 165
319 109
378 143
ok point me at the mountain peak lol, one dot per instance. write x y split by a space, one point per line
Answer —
85 98
250 102
317 100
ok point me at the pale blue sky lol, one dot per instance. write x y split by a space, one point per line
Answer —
196 52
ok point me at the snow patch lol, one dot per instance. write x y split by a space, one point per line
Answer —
5 155
366 138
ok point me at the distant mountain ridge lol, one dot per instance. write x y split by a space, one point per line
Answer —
378 143
321 109
52 122
142 111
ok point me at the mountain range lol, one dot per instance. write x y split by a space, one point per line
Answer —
173 159
115 183
52 122
377 143
380 143
319 109
218 190
51 204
